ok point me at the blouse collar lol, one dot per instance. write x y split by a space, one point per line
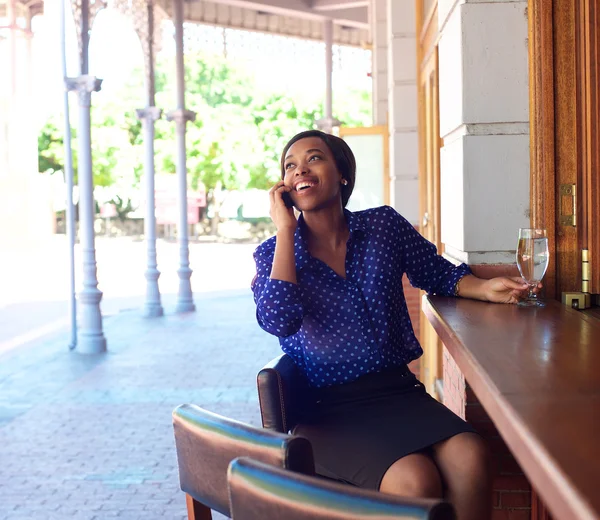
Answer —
356 225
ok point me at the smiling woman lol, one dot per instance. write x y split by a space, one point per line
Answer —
329 286
312 150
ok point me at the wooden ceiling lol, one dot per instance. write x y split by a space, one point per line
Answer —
299 18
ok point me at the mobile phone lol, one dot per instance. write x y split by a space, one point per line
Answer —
287 200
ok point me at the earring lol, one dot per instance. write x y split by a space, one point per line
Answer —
344 182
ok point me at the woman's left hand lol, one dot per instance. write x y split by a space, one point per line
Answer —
505 289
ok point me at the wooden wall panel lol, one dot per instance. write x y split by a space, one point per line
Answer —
565 144
541 109
567 157
588 52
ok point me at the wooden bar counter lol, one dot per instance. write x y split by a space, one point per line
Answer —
536 371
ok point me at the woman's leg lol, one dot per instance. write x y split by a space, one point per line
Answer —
465 465
415 476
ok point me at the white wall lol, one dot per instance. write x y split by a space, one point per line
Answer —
379 71
403 108
484 122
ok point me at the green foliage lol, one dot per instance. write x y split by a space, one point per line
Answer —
122 207
51 156
216 83
234 143
134 128
277 119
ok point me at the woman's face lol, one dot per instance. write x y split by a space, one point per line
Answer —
310 170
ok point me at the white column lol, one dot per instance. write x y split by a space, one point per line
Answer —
484 122
28 33
379 68
328 38
328 122
185 301
153 306
11 15
403 114
25 204
69 178
91 337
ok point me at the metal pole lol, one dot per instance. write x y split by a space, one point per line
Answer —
85 36
153 306
11 14
179 64
328 37
185 302
70 209
28 42
91 336
149 115
328 122
92 340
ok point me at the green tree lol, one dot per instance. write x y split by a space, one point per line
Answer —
276 120
234 143
51 148
216 82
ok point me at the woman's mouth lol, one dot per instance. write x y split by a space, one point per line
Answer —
304 186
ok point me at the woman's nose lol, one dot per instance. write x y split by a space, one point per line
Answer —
301 169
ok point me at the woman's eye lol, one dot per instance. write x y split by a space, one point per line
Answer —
288 166
314 157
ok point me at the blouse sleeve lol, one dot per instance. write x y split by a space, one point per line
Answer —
279 309
424 267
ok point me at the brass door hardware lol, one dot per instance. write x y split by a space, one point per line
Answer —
581 300
585 271
425 219
577 300
568 190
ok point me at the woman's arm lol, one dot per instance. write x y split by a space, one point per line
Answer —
503 289
436 275
279 309
284 261
419 258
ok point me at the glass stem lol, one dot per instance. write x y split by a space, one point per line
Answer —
532 295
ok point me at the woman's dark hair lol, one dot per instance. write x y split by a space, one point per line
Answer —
342 155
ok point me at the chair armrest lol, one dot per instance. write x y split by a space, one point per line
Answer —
207 442
258 491
282 392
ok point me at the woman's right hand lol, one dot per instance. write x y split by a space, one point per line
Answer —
282 216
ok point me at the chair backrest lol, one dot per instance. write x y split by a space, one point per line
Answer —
282 389
258 491
207 442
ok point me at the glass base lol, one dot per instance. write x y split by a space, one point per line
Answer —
533 302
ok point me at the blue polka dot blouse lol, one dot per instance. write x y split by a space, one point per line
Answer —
338 329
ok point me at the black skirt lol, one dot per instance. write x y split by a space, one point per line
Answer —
358 430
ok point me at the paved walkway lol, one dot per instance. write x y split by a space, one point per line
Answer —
90 437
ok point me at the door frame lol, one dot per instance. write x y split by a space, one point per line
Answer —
431 368
564 140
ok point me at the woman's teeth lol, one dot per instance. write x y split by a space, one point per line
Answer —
304 185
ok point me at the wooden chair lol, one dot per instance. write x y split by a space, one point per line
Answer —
206 443
259 491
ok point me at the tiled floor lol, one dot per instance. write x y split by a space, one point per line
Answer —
90 437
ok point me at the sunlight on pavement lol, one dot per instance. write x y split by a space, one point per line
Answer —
34 284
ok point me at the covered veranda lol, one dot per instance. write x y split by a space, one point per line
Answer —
485 127
332 24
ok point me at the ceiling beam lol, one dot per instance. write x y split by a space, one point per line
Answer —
333 5
357 17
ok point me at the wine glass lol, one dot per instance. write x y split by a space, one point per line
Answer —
532 260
